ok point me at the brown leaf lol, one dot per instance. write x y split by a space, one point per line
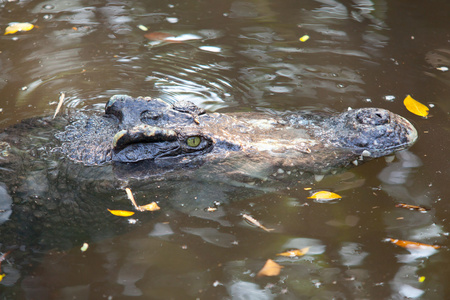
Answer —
270 268
148 207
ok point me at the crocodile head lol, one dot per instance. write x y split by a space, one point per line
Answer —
151 129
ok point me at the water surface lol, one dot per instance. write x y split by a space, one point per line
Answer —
238 56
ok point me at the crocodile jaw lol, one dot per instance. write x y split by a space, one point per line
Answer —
144 142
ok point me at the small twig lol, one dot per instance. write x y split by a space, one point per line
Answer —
256 222
131 197
3 257
61 100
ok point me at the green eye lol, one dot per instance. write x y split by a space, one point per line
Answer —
193 141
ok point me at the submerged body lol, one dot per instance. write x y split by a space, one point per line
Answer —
134 130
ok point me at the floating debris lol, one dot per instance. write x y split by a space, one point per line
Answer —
412 207
255 222
84 247
415 106
411 245
60 102
294 252
324 195
121 213
17 26
148 207
304 38
270 268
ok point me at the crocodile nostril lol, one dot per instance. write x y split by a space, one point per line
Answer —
377 118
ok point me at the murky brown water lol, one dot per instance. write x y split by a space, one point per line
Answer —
244 56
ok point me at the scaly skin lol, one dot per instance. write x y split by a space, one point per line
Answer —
143 129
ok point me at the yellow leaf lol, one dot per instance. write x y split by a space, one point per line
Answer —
121 213
1 276
415 106
15 26
304 38
295 252
324 195
149 207
421 279
271 268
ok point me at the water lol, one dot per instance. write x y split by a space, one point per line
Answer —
240 56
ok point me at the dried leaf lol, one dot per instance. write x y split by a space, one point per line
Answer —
415 106
16 26
270 268
121 213
149 207
324 195
294 252
412 207
412 245
255 222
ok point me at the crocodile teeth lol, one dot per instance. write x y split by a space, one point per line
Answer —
142 134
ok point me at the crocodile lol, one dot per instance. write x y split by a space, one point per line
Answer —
192 160
181 134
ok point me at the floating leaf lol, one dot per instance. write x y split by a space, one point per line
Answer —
304 38
415 106
15 26
412 207
421 279
294 252
324 195
270 268
149 207
121 213
412 245
1 276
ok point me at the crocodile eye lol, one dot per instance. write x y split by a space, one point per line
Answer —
193 141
